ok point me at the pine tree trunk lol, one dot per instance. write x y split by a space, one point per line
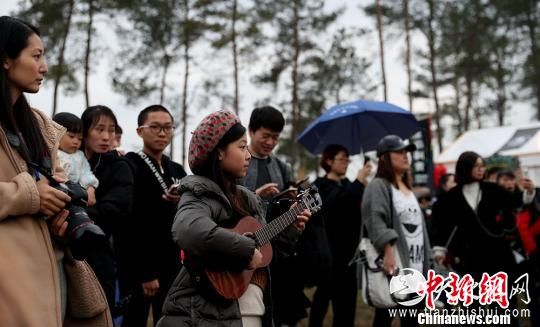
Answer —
381 47
457 103
60 65
166 63
88 50
532 22
294 77
186 80
171 148
501 93
434 86
408 52
235 57
468 103
163 84
478 116
456 83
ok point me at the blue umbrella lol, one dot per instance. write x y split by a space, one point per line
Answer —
358 126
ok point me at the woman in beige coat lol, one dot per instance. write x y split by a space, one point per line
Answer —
30 210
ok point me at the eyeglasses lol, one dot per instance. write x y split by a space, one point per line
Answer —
156 129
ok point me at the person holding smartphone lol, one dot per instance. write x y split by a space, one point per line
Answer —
334 277
267 176
151 264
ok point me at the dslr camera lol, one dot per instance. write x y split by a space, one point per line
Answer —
81 234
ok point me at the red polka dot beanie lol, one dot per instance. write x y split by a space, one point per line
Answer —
207 135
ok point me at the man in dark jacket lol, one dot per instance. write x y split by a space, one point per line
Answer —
267 176
147 271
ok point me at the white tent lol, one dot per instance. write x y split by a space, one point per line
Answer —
522 142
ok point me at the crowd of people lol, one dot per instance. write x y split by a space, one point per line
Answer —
151 233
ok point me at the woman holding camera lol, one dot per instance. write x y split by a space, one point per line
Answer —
113 196
31 275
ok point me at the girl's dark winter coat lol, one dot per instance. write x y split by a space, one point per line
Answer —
202 211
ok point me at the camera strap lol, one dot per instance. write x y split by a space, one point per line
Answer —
154 170
18 143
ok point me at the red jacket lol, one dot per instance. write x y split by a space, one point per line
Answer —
528 232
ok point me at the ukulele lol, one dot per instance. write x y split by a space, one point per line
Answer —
231 284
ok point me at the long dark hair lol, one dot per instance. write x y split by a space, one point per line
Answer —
386 171
464 167
225 181
90 117
18 117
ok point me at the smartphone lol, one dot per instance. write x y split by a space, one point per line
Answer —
300 182
173 189
366 160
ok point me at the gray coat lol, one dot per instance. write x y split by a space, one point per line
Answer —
382 223
202 212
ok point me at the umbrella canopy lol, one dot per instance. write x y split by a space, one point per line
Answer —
358 126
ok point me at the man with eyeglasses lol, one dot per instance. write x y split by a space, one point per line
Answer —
147 273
